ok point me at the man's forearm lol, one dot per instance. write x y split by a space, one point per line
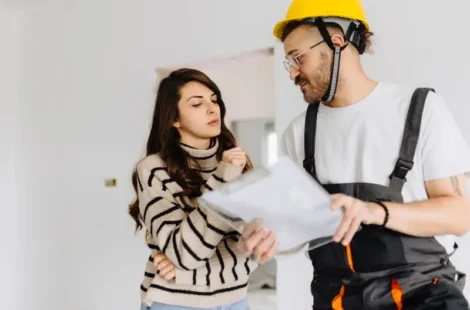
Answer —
433 217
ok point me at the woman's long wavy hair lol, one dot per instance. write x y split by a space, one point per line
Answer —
164 138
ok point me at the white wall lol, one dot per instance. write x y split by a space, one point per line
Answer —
86 99
10 61
416 42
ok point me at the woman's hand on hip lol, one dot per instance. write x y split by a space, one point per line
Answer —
164 266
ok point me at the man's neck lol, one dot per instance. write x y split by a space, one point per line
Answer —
352 90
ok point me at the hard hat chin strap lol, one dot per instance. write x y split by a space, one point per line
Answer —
352 34
334 77
330 93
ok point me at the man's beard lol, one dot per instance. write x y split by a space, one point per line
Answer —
318 82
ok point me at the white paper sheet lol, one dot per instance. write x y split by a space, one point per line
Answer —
285 197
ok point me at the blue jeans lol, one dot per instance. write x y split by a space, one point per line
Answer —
241 305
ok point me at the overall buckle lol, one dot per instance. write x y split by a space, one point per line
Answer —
309 164
402 167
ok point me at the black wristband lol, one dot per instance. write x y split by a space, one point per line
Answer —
380 203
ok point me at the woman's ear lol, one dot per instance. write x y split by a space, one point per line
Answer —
176 124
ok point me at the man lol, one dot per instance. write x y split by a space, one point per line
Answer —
394 164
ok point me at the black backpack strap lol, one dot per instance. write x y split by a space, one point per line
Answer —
309 139
410 139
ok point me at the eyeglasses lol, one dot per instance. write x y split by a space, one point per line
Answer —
293 61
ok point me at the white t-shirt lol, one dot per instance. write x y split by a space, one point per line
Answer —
361 143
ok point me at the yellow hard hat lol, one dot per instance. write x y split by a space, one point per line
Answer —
300 9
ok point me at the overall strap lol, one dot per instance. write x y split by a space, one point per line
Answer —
309 139
410 139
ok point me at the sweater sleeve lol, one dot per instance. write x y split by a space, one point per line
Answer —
225 173
188 239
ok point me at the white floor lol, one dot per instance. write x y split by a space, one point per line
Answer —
263 299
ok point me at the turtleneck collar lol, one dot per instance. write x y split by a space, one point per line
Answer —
205 159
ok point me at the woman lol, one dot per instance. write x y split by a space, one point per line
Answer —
189 151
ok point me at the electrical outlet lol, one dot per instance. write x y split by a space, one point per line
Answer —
110 182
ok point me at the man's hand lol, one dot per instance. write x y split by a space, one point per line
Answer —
258 242
356 212
164 266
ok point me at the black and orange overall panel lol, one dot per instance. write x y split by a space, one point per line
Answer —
328 290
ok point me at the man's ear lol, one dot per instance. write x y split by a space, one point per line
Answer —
338 40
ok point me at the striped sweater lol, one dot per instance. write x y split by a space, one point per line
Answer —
210 270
